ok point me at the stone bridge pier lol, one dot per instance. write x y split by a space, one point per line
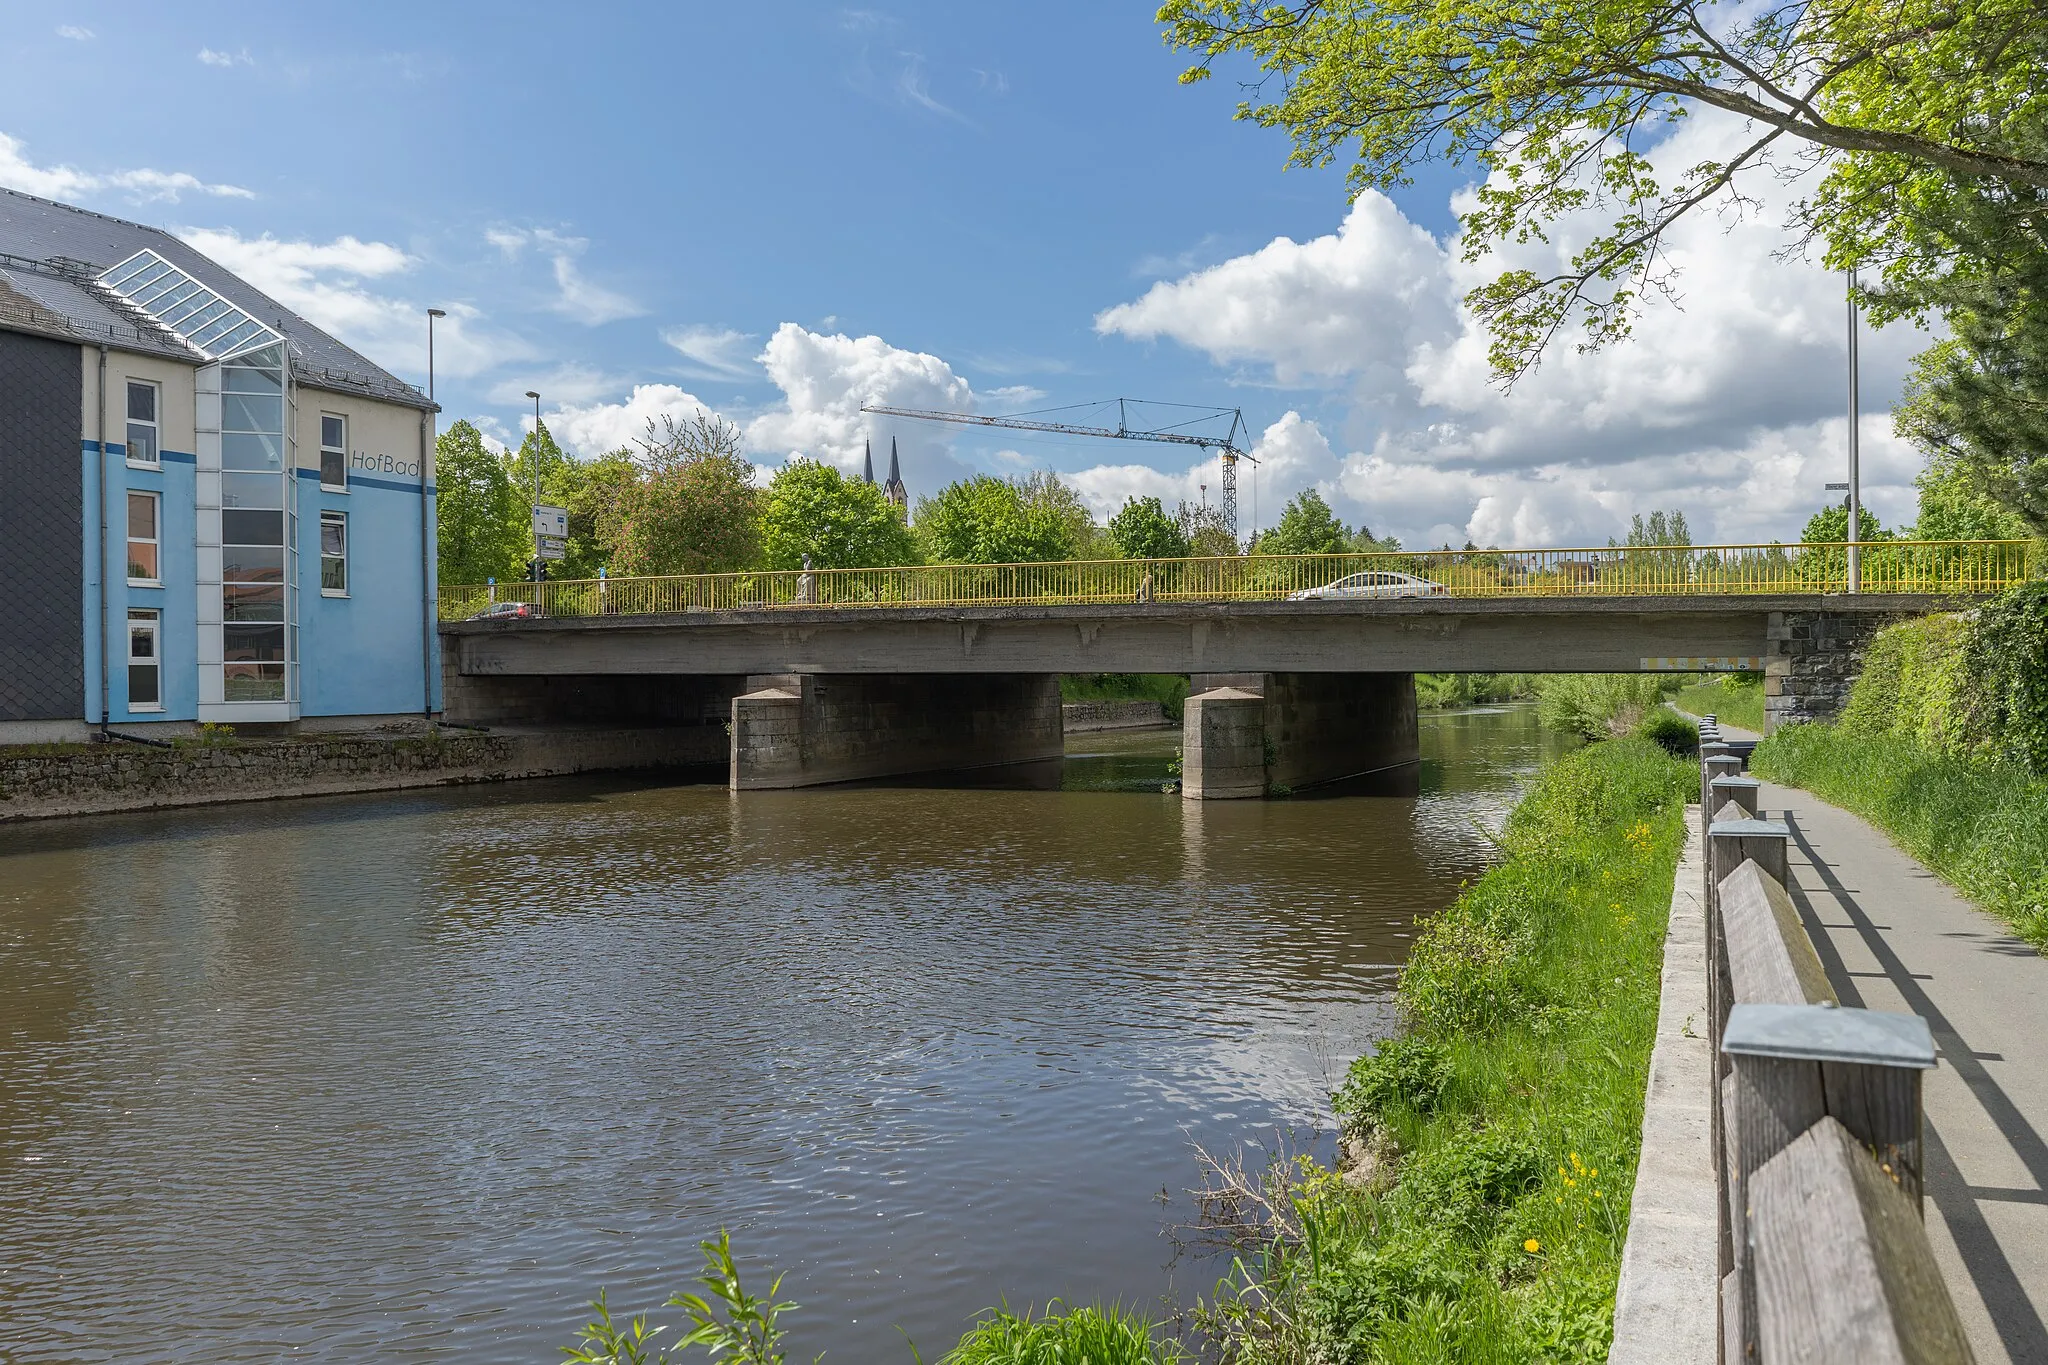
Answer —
1248 734
808 729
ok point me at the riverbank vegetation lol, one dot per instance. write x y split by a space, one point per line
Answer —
1944 745
1734 698
1447 691
1598 705
1490 1151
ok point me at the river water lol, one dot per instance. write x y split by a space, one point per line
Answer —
412 1076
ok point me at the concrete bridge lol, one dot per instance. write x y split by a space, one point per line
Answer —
1287 693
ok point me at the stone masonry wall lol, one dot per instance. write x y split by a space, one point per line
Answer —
81 779
1082 716
1813 660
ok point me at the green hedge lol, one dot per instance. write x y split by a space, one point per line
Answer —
1965 686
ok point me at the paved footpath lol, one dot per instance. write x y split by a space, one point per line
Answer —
1895 937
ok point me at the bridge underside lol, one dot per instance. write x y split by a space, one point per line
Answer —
822 695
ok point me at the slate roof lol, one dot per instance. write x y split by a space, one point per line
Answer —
56 249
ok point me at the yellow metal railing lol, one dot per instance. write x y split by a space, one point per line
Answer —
1947 568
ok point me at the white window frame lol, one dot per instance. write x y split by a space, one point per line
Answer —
156 521
155 425
341 450
151 621
337 519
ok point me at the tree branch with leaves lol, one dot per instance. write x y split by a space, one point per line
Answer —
1561 105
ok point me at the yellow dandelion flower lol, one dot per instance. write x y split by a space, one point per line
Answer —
1532 1246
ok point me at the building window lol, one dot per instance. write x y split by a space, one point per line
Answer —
334 554
143 424
142 537
145 666
333 451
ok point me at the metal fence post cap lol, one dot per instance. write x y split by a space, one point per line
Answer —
1749 829
1825 1033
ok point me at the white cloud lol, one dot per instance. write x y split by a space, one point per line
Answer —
324 283
17 172
1726 404
567 383
826 378
1352 303
593 429
576 296
213 58
75 33
717 352
586 301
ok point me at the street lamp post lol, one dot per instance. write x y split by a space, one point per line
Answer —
429 439
1855 474
536 484
432 313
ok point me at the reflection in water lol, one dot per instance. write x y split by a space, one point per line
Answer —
410 1076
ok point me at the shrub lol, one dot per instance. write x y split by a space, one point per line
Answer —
1591 705
1466 1183
1408 1073
1678 736
1078 1336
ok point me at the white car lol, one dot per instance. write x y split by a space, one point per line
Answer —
1377 584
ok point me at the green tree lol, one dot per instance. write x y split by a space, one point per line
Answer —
1142 530
1954 506
841 523
1830 526
1663 528
1559 106
986 520
1054 498
482 524
1307 526
590 491
1978 400
1202 526
1364 542
693 507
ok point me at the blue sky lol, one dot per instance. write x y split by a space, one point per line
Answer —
779 211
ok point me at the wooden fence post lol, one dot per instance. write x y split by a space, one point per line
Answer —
1745 792
1795 1065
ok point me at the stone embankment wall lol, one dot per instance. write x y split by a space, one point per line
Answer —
1082 716
47 780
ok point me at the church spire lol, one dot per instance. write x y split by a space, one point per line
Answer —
894 490
867 473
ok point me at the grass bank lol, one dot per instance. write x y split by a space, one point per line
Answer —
1491 1150
1737 699
1981 825
1170 690
1944 746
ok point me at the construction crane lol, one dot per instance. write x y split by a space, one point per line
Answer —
1225 445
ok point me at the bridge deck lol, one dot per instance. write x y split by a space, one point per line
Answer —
1578 633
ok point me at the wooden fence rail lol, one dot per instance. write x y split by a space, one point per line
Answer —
1817 1121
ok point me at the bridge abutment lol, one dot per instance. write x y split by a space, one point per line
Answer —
806 730
1245 734
1813 658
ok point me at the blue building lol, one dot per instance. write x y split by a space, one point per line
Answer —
210 510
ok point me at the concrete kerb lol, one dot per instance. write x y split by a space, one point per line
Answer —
1664 1310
